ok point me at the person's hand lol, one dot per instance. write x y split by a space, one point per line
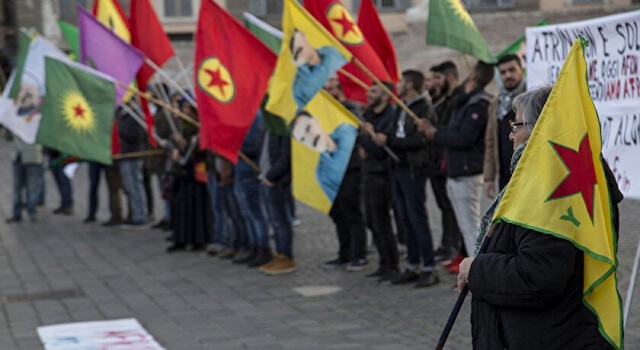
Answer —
362 153
180 141
380 139
427 129
175 155
367 128
267 183
490 188
463 275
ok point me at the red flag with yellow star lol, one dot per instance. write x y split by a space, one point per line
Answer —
559 188
335 17
232 69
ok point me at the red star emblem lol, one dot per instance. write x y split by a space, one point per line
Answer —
78 111
347 25
582 173
216 80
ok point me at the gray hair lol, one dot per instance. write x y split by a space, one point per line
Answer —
530 105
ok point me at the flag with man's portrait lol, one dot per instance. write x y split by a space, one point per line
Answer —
308 56
559 188
316 176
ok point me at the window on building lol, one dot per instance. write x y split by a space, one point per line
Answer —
266 8
67 9
489 4
178 8
386 5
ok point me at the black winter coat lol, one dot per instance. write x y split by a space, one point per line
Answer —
377 161
279 148
411 148
527 291
463 138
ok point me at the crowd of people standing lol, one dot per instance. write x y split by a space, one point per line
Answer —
454 136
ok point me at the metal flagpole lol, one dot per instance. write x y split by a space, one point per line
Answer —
632 284
182 68
136 116
166 76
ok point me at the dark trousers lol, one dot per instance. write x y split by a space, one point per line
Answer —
377 201
278 205
347 216
451 236
114 186
409 189
64 187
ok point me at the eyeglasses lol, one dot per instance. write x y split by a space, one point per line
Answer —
514 125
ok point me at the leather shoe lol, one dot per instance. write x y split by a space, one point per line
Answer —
427 279
13 220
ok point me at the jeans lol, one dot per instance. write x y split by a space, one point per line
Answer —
131 173
377 201
42 188
451 236
252 203
347 215
220 224
26 176
278 208
409 188
465 192
95 169
64 187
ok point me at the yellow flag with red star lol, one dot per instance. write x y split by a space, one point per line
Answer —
559 188
77 115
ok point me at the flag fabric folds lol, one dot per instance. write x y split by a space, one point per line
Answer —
337 20
571 201
110 13
518 46
228 89
374 32
317 170
449 24
24 96
101 49
72 37
272 38
77 115
308 56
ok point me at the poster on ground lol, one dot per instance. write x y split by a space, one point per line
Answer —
613 57
123 334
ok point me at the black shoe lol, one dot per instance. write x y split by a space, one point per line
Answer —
245 256
64 211
377 273
407 276
227 253
427 279
334 264
358 265
89 219
112 222
175 248
198 247
388 275
262 257
160 225
13 220
58 210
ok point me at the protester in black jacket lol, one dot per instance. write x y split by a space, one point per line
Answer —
528 286
409 181
377 182
275 164
463 139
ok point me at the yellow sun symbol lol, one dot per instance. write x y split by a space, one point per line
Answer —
77 112
458 7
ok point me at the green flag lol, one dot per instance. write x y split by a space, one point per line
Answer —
23 49
516 46
77 116
272 38
450 25
71 35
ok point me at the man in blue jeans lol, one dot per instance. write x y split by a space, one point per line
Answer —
131 136
275 164
27 174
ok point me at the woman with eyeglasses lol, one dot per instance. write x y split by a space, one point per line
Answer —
527 286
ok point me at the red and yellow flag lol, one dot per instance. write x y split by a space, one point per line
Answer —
571 200
335 17
378 38
232 69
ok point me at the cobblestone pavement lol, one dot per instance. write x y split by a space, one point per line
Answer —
60 270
